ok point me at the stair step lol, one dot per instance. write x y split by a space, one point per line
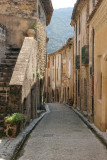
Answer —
5 79
3 102
2 109
1 131
4 89
6 65
11 57
4 84
10 48
6 69
4 74
2 116
8 61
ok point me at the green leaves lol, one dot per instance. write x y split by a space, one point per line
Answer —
15 118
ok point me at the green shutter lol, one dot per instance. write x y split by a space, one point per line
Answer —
78 62
85 55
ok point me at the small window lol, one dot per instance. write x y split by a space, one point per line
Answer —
100 87
53 74
93 1
39 11
48 62
79 25
78 85
49 81
57 74
63 68
53 61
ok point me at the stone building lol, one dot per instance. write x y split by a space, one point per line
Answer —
98 21
89 83
81 58
23 63
59 81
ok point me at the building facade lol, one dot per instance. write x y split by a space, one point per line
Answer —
98 21
23 62
89 49
59 78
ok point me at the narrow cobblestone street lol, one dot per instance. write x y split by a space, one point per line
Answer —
61 135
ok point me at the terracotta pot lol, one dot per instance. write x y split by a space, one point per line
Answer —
31 33
12 129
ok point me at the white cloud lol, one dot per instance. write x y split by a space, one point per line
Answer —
63 3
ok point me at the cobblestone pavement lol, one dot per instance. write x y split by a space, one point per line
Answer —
61 135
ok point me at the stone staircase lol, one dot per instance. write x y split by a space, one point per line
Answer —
6 69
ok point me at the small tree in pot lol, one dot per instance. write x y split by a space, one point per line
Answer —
13 124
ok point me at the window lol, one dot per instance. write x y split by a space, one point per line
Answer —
78 85
63 68
79 48
57 74
100 86
69 68
93 1
53 74
58 61
49 81
53 61
48 62
39 11
79 25
93 50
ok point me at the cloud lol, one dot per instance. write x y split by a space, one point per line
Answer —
63 3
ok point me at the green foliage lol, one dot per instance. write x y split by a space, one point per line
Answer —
59 31
15 118
38 73
35 27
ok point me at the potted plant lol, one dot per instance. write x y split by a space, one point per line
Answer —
32 31
13 124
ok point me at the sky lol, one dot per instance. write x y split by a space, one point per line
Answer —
63 3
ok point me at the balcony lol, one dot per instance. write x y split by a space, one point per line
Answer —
85 55
77 61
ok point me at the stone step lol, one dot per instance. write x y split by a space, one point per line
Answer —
5 74
6 65
3 102
8 52
1 131
11 57
4 84
5 79
2 123
13 61
6 69
4 89
10 48
3 109
2 116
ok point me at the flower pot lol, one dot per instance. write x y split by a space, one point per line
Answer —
12 129
31 33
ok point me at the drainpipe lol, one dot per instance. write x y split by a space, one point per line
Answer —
55 77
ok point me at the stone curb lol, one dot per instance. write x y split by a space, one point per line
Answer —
93 128
24 135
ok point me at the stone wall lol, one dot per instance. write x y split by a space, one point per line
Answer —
60 74
22 15
23 82
2 41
